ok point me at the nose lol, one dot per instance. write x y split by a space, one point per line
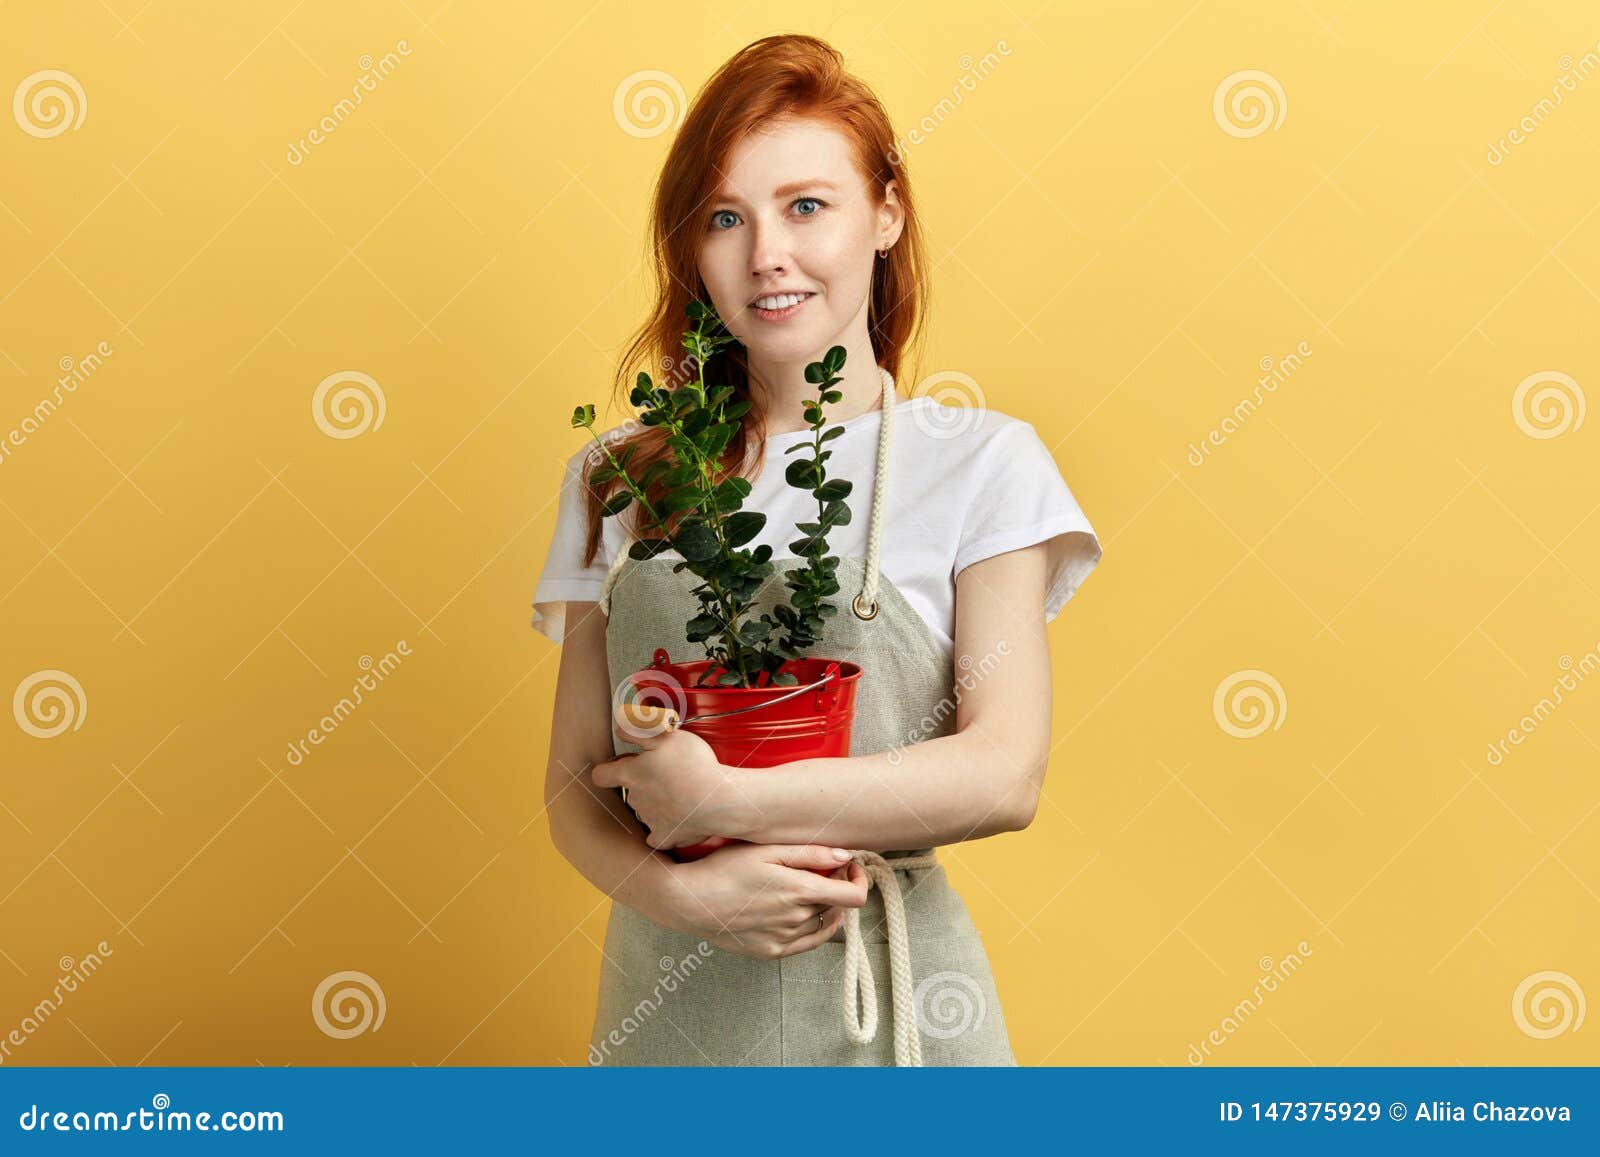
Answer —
769 253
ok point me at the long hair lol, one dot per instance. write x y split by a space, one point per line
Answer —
777 76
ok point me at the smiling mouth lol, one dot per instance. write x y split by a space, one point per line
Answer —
784 305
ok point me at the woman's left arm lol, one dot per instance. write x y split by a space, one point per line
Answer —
983 779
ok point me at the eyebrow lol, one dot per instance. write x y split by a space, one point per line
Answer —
786 190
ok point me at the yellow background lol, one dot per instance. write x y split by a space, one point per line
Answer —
1382 536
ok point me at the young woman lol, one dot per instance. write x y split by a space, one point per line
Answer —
784 203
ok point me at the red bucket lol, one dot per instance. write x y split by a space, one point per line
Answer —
778 727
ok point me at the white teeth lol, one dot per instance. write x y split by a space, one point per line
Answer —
780 301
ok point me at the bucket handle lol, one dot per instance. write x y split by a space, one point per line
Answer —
831 674
825 698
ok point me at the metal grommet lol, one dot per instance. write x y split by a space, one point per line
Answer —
855 605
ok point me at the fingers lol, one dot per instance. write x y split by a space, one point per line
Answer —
851 893
807 856
815 939
609 773
806 920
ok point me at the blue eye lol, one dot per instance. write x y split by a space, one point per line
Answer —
810 201
719 215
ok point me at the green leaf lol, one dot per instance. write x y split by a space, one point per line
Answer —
702 627
730 679
833 489
830 434
816 373
697 421
784 679
583 416
646 548
730 492
736 411
802 474
801 446
697 543
834 359
717 438
602 474
836 514
679 500
740 528
616 504
832 396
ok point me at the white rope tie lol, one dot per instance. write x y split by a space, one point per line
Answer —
865 604
860 988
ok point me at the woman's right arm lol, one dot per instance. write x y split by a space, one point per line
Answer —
752 898
591 826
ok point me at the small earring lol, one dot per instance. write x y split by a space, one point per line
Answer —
884 252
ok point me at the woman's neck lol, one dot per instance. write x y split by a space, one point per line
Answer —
779 392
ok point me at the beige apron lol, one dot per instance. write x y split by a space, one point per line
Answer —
906 979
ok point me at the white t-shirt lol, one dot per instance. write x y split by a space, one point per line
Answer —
964 484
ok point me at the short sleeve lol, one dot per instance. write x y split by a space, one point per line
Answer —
564 578
1019 499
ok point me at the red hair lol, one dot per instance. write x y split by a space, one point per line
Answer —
787 76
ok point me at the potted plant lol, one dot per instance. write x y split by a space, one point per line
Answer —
758 698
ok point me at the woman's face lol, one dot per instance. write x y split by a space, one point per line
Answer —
793 215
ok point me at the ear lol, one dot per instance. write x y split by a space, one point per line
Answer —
891 215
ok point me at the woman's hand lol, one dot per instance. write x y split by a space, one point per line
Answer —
677 786
761 900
